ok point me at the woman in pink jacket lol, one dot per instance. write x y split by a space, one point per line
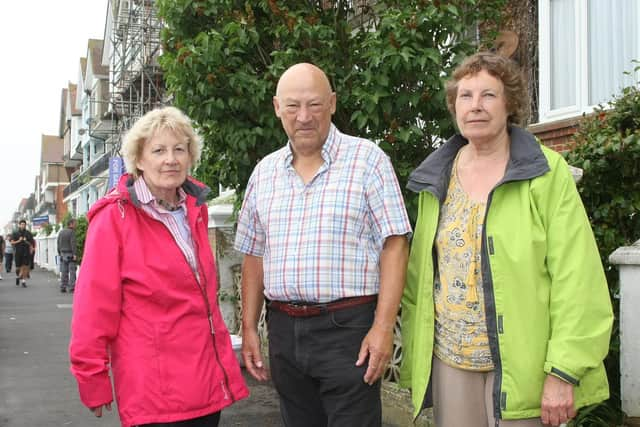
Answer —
145 304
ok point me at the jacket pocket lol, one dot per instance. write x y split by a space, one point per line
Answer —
159 359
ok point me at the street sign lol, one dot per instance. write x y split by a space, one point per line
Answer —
37 221
116 169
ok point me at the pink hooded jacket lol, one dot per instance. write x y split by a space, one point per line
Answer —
139 309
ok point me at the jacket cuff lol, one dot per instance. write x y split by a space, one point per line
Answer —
561 374
96 393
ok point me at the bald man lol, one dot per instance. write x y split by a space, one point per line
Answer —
324 231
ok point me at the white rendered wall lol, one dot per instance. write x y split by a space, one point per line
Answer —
628 261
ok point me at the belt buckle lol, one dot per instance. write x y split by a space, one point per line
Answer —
306 309
296 306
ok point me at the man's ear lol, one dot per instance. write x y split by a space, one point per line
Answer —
276 106
332 102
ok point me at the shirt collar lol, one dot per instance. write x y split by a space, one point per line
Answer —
329 148
145 196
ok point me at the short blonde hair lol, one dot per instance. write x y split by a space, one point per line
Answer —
503 69
166 118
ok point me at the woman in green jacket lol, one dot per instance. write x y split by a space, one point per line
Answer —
506 312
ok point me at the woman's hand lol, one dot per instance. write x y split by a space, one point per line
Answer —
557 401
97 411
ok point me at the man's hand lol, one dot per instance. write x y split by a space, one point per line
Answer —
377 345
252 356
557 401
97 411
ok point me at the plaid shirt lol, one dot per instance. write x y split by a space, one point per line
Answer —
178 229
322 241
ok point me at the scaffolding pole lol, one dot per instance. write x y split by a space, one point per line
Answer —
136 82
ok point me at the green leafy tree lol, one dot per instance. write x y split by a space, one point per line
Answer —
82 224
608 149
387 61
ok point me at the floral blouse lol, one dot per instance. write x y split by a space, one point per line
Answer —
460 325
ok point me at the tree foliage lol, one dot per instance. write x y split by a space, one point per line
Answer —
386 60
608 149
46 229
82 223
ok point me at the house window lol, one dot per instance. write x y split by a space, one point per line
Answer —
586 46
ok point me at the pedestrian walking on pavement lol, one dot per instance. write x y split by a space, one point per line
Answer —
24 246
67 256
325 234
8 254
2 246
146 298
32 258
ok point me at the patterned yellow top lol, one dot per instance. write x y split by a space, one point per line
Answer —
460 325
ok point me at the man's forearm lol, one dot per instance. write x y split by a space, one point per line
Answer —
252 291
393 268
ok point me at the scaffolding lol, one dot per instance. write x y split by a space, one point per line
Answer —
136 85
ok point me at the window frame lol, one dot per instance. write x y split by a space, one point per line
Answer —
581 42
546 113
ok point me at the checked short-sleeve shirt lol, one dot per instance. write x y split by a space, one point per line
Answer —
322 241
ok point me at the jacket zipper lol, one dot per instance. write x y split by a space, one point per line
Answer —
493 329
224 390
203 290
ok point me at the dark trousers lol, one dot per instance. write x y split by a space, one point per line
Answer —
22 257
313 369
211 420
67 271
8 261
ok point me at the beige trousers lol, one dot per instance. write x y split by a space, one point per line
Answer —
463 399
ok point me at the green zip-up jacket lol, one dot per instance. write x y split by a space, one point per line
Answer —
547 303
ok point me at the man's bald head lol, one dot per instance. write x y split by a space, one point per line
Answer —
304 102
304 72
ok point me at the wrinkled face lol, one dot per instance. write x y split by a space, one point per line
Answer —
481 107
164 162
305 104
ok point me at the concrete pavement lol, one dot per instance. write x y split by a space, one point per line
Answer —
36 387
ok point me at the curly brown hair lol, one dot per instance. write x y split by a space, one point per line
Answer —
505 70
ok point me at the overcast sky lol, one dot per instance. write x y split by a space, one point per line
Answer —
42 43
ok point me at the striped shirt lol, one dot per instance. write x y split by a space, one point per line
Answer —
322 241
175 221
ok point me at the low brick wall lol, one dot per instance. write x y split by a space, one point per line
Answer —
556 135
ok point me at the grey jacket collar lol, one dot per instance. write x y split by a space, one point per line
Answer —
190 186
526 161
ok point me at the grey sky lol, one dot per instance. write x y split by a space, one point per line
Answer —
42 42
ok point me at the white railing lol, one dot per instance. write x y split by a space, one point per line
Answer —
46 255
